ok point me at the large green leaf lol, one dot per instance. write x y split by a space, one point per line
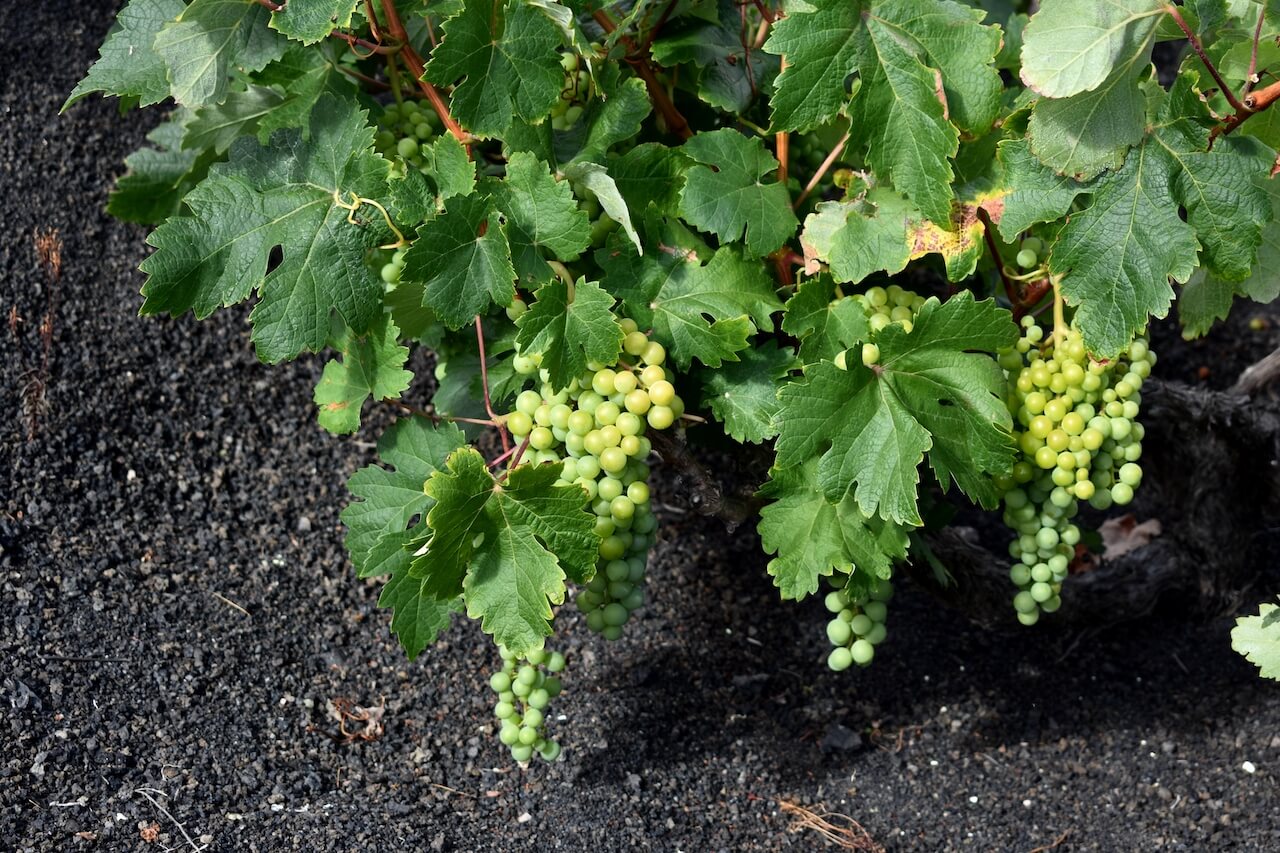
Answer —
128 64
210 38
507 547
1258 639
812 538
543 218
826 325
743 395
501 58
158 177
287 197
726 193
1073 46
570 325
703 310
934 390
313 20
464 260
372 365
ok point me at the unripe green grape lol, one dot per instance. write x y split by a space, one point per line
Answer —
835 601
862 652
840 659
877 634
839 633
654 353
660 417
861 623
876 610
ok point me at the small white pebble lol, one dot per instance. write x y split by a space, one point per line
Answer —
1026 803
1249 767
933 762
131 475
524 818
973 799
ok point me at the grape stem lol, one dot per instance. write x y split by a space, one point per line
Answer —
1059 324
1204 58
831 158
484 382
438 418
1010 289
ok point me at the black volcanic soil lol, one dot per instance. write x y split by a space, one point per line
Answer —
177 611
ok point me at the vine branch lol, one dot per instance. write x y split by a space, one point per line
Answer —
831 158
1204 58
416 67
638 58
705 492
484 382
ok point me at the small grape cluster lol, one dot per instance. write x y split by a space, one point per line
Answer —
884 307
858 626
578 89
402 130
1029 252
1079 440
391 270
595 429
525 687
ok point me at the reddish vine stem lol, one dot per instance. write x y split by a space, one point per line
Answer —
372 47
1249 80
1010 289
438 418
416 67
267 4
822 170
1204 58
638 59
769 17
484 382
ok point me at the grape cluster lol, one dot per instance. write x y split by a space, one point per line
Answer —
391 270
595 429
525 687
578 89
403 129
884 307
858 626
1029 252
1078 439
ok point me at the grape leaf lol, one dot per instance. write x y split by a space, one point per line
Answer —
813 538
542 218
451 168
1208 297
650 173
824 327
417 618
1033 192
152 190
464 261
504 59
914 59
596 179
218 125
389 498
372 366
1072 46
208 39
1258 639
933 390
1088 133
883 231
286 197
730 74
507 547
724 193
313 20
1118 253
128 64
696 310
570 326
303 76
614 115
743 395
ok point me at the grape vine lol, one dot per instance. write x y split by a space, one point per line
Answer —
906 252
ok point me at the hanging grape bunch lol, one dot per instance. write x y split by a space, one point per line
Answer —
402 131
596 428
525 688
1075 423
858 626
